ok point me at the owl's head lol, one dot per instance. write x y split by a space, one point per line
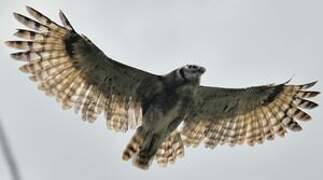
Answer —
191 72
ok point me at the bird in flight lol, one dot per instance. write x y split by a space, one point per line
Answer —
68 66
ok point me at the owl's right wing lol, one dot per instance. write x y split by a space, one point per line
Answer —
248 115
71 68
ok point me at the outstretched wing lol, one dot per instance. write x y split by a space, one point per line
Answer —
71 68
250 115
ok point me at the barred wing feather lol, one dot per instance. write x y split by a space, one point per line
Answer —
71 68
251 115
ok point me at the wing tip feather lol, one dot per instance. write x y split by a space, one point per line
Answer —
309 85
16 15
15 56
8 43
65 21
29 8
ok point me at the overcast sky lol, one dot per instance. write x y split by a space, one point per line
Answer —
241 43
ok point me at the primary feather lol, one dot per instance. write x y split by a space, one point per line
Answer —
72 69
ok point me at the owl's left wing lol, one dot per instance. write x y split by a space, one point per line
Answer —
250 115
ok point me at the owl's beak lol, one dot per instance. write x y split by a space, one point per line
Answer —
202 70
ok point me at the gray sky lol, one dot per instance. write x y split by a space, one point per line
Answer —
242 43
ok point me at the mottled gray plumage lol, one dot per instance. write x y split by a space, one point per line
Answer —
78 74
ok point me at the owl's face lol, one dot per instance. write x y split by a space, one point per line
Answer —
192 72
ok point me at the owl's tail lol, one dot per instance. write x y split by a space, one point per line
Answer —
144 147
133 146
135 149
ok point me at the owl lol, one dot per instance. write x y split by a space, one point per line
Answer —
169 112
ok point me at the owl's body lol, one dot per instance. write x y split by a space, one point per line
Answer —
171 102
163 113
69 67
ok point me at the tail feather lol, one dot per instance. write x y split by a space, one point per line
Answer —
165 153
142 161
147 150
133 146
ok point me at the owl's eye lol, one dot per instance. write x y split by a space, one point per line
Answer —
192 67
